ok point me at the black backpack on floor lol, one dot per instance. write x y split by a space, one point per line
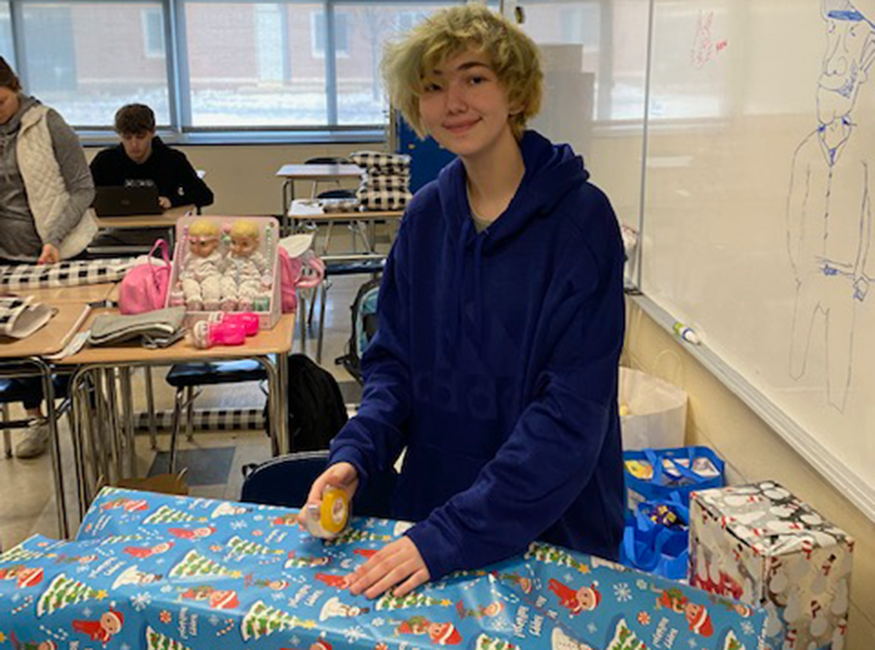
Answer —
316 409
365 320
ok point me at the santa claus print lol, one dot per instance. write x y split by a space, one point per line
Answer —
672 599
17 644
143 552
24 576
481 611
104 629
192 534
698 619
438 633
585 599
274 585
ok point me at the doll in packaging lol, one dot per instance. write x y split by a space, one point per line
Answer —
246 275
201 274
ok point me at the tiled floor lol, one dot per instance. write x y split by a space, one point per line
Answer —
26 493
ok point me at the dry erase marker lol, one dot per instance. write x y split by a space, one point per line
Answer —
688 334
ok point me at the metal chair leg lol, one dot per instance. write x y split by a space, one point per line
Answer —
150 407
174 431
189 414
320 337
7 434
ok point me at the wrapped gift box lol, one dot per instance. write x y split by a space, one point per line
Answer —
760 544
164 572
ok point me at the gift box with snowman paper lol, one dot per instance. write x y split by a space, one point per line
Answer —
763 546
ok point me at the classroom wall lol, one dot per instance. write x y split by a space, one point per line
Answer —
754 452
243 176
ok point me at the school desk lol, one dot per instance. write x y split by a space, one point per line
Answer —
268 347
162 572
20 358
316 173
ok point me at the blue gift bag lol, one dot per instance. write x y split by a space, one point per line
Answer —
653 545
657 474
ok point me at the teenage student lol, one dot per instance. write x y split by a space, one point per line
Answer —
45 193
501 323
142 156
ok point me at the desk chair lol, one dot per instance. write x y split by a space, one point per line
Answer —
186 377
11 392
356 228
286 481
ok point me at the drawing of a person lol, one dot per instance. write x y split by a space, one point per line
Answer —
829 210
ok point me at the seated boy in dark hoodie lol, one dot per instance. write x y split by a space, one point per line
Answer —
143 157
501 324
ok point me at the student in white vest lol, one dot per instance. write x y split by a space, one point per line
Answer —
45 194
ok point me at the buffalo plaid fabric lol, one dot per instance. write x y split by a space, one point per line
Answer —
10 309
381 182
16 277
385 163
383 199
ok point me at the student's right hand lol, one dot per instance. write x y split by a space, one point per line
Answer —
164 202
340 475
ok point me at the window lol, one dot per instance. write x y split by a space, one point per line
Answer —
237 64
153 33
319 33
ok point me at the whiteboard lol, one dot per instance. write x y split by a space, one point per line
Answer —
757 210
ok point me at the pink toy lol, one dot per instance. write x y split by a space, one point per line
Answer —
206 334
247 320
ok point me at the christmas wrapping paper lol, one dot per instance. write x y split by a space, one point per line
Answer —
764 546
159 572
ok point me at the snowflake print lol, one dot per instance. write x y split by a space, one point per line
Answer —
747 627
568 577
15 598
378 622
160 560
692 643
644 618
592 628
82 569
622 592
237 525
87 611
165 616
642 584
214 620
277 596
141 601
166 589
295 641
553 614
258 517
354 633
124 646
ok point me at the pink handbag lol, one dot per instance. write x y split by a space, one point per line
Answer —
144 287
292 276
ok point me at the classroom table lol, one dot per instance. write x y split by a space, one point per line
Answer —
163 572
317 173
166 221
300 210
268 347
21 358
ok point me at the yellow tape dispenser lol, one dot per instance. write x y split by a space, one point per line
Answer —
329 519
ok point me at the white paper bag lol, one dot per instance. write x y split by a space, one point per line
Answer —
657 411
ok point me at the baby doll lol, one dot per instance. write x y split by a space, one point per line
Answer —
245 273
201 273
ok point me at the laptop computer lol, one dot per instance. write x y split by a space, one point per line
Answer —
123 201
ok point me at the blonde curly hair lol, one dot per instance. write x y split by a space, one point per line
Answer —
514 57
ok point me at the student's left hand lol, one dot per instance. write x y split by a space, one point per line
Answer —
398 563
164 202
50 255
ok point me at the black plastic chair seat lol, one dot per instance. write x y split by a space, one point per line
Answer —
185 375
354 268
338 194
14 390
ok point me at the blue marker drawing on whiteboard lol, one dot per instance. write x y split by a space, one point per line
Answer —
688 334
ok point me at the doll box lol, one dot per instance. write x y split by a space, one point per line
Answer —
762 545
268 238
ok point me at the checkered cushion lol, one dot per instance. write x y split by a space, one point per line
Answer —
391 163
10 309
16 277
383 199
383 182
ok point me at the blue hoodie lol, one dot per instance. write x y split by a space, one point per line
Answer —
495 364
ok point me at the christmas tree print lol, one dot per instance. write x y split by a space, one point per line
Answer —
485 642
19 554
553 555
389 601
157 641
195 564
731 642
354 535
242 547
625 639
65 591
119 539
262 620
167 515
